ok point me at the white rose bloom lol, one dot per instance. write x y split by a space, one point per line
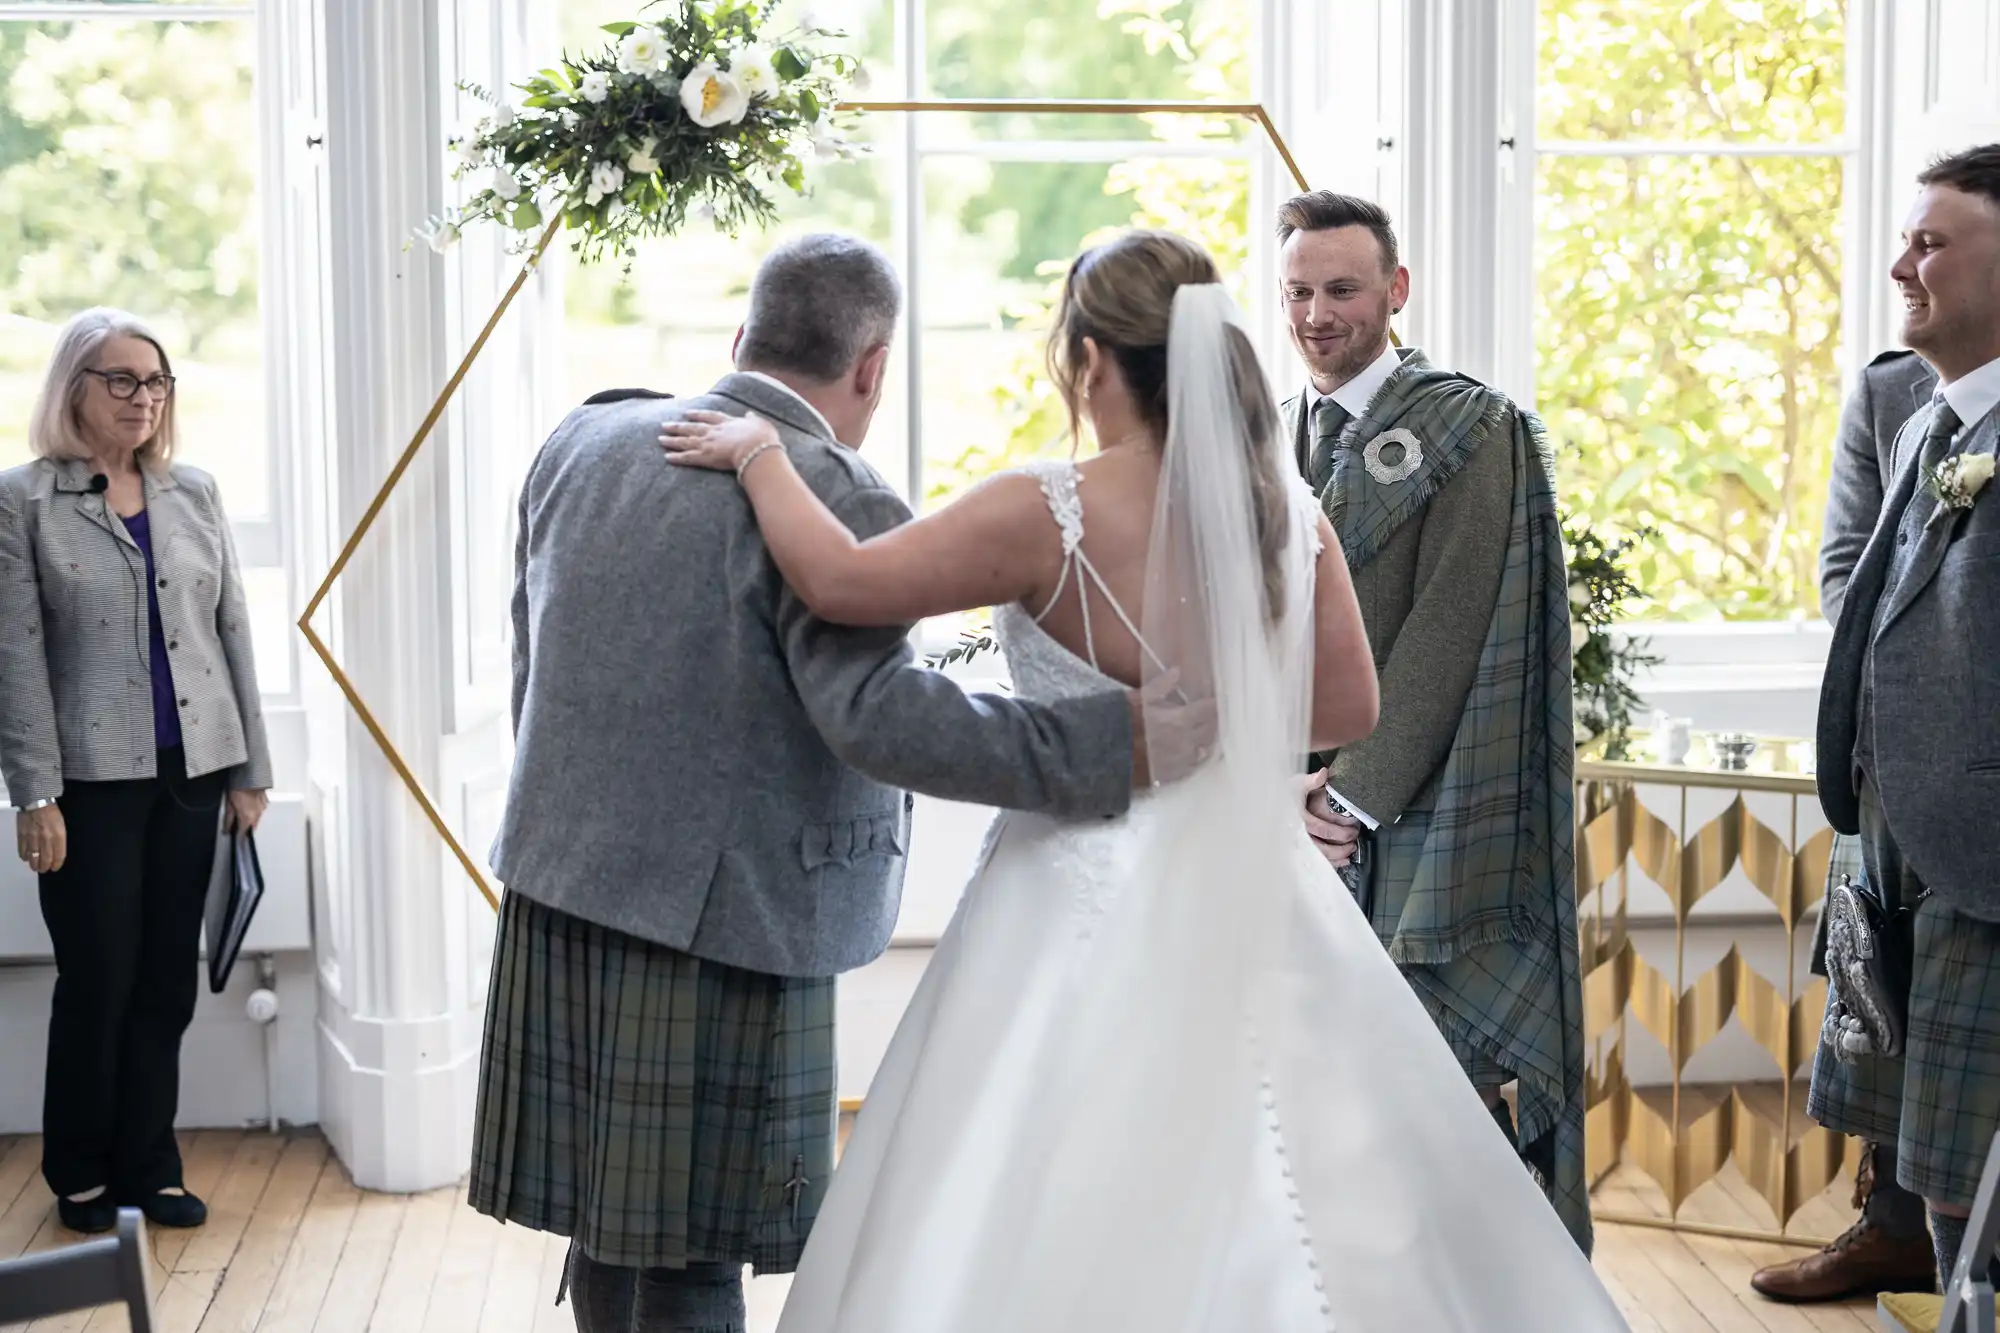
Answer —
570 120
606 178
504 184
713 97
443 237
642 51
1579 635
1973 472
753 70
596 86
642 162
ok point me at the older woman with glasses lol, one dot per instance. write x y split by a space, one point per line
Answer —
129 719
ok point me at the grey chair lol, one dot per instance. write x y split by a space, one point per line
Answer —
1968 1297
107 1271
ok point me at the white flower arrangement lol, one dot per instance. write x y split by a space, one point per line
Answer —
1955 483
698 112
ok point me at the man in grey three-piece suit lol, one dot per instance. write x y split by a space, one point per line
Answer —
707 820
1889 1248
1909 735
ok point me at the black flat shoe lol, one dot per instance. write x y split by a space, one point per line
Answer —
174 1210
91 1217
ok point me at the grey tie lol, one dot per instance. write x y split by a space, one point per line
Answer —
1329 419
1937 436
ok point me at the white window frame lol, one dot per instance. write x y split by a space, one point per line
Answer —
260 542
917 139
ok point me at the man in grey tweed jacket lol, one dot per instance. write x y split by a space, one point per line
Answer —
1889 1248
1456 833
707 819
1909 738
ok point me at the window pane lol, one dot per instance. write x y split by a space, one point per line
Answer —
1673 70
127 178
271 627
1687 340
997 239
670 324
1088 49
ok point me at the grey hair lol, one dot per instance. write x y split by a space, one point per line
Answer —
53 430
817 304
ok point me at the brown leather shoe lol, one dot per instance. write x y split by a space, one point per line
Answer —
1864 1260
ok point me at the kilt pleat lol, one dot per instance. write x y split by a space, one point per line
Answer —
1939 1103
659 1108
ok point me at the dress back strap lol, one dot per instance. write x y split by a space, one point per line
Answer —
1059 479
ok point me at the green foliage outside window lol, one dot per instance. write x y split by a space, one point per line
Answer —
1688 307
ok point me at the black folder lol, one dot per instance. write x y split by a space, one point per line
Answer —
232 901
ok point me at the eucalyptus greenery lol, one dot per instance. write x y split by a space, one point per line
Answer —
1601 591
701 109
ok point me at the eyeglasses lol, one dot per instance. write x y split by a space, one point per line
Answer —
124 385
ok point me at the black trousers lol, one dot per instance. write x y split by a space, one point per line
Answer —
125 915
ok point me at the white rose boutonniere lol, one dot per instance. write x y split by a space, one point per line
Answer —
712 96
1955 483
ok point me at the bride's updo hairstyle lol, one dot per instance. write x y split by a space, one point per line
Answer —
1121 294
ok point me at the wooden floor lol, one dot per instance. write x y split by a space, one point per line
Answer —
293 1247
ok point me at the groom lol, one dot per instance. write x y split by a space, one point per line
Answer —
705 822
1454 828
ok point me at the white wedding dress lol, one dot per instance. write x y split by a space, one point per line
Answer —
1086 1124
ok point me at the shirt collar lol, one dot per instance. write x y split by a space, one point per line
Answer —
1355 395
1973 396
793 394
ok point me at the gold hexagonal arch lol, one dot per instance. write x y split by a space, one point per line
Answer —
1251 111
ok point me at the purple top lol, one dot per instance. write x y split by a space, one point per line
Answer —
166 714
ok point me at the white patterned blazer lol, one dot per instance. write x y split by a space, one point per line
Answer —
76 701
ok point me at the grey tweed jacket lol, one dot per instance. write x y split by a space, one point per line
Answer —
76 699
1427 601
1893 386
699 761
1917 625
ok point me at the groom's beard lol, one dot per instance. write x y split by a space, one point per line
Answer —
1365 338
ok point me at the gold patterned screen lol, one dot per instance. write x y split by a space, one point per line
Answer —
1682 1133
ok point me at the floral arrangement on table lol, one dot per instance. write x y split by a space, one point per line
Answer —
704 110
1600 591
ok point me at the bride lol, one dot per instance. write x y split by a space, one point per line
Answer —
1159 1075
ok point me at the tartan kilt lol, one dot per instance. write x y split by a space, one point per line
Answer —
1939 1103
1452 993
658 1108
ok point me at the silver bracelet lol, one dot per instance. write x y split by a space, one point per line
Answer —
751 457
42 804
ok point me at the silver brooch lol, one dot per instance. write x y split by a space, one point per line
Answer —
1406 455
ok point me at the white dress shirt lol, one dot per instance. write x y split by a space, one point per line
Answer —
1973 396
1354 398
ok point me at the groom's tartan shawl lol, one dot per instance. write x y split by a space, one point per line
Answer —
1497 863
